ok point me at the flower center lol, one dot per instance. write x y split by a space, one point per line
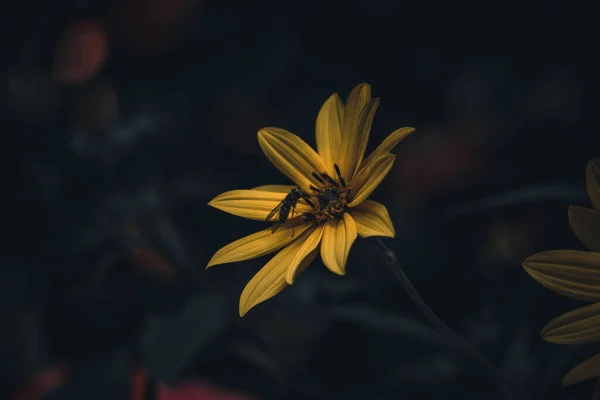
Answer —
332 197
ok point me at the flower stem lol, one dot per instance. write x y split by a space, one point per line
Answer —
493 371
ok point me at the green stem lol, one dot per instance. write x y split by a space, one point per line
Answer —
493 371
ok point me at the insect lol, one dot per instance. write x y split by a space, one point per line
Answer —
330 194
288 204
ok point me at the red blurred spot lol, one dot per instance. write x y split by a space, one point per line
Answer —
45 382
197 391
139 382
80 54
153 24
436 167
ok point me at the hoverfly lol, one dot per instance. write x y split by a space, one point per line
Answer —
288 204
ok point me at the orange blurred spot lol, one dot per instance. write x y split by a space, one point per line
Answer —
80 54
45 382
146 259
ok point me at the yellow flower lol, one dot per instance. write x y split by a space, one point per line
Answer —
576 274
332 186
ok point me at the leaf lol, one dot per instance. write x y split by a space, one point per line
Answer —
169 341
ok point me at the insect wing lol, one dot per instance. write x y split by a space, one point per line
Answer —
275 226
274 211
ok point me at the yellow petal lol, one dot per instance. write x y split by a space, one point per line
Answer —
251 204
373 219
329 132
585 223
258 244
369 177
357 100
389 143
363 130
575 327
338 237
310 244
270 280
592 181
291 155
586 370
275 188
575 274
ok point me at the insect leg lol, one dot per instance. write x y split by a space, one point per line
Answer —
293 211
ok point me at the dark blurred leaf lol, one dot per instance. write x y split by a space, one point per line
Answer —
511 198
596 394
170 341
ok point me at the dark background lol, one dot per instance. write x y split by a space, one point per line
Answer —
501 95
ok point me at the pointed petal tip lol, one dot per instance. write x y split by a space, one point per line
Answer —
373 103
528 260
333 97
244 307
544 333
214 260
359 89
548 337
261 133
584 371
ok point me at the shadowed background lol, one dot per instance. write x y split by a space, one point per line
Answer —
122 119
